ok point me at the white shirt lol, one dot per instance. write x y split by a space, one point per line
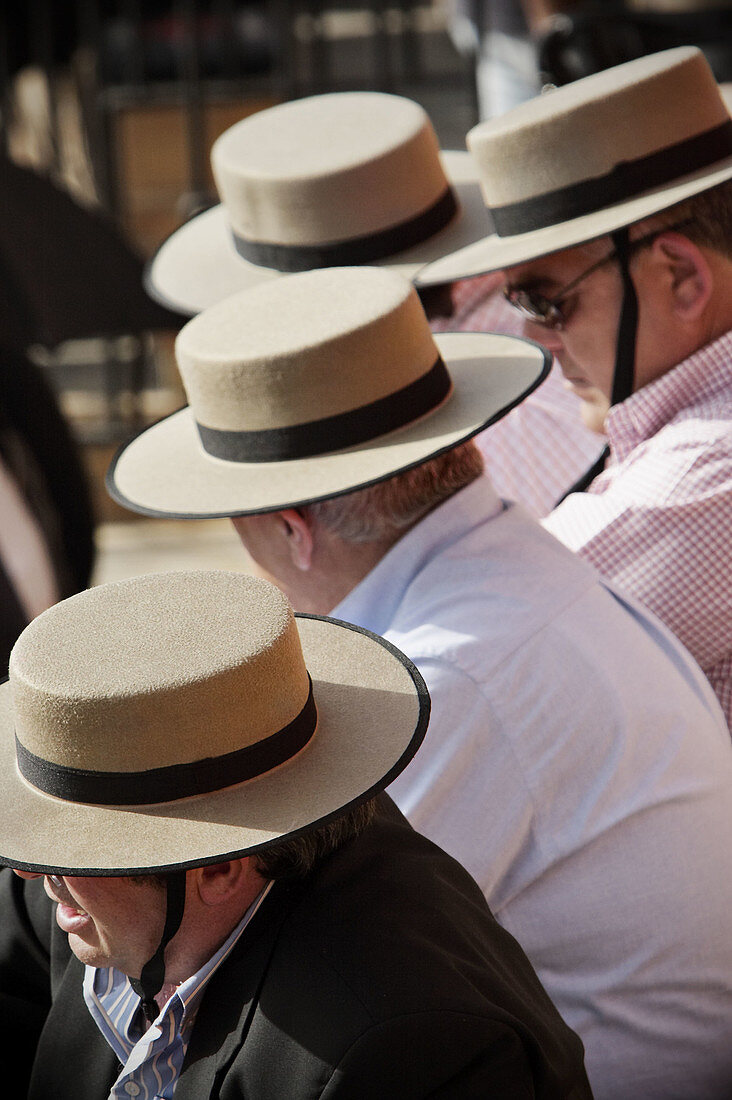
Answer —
578 764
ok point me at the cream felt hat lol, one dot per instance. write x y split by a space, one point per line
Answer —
594 156
312 386
178 719
329 180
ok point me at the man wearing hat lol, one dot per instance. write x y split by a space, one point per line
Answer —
324 181
352 178
612 202
577 762
536 453
211 900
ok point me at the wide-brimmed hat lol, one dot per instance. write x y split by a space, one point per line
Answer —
594 156
178 719
329 180
313 386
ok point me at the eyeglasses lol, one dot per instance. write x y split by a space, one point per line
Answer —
548 311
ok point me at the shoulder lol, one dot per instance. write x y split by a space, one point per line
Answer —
428 1052
672 486
384 910
484 596
390 977
697 442
393 928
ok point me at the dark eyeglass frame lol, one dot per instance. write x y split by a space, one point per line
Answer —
541 310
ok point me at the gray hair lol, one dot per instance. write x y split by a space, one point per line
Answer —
386 510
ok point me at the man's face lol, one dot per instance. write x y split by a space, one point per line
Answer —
114 921
667 277
585 345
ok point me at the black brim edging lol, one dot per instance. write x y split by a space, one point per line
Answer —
155 513
420 729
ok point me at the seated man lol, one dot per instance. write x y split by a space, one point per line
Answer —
542 448
577 761
615 243
320 156
210 899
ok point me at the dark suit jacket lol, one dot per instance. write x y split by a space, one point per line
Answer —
381 976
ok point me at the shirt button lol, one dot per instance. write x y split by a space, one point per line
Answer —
131 1088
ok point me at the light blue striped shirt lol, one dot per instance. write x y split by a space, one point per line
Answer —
152 1059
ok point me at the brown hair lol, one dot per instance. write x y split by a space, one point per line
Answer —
296 856
710 218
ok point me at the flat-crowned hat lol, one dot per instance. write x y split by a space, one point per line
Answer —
329 180
312 386
179 719
593 156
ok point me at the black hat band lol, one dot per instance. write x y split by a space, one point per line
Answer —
333 433
174 781
355 250
626 180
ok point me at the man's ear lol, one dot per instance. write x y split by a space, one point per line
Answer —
691 280
219 882
297 530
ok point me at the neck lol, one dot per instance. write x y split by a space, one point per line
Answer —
206 926
718 320
338 566
162 998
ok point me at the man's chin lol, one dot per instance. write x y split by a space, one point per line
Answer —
86 948
86 954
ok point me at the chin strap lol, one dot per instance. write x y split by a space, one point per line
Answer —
624 373
588 476
152 977
624 376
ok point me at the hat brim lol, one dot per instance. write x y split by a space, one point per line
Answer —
373 710
198 264
164 471
496 253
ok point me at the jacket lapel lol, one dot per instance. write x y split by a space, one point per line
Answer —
230 1001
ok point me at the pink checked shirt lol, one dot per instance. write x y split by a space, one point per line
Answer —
658 520
538 451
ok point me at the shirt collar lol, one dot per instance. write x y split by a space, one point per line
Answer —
373 602
191 990
647 410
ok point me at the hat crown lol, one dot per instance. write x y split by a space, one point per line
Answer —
328 168
583 130
156 671
304 348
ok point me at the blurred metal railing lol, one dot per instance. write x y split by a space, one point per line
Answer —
138 91
125 54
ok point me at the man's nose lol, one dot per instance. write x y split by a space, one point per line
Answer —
27 874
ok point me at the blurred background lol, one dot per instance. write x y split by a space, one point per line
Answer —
108 109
